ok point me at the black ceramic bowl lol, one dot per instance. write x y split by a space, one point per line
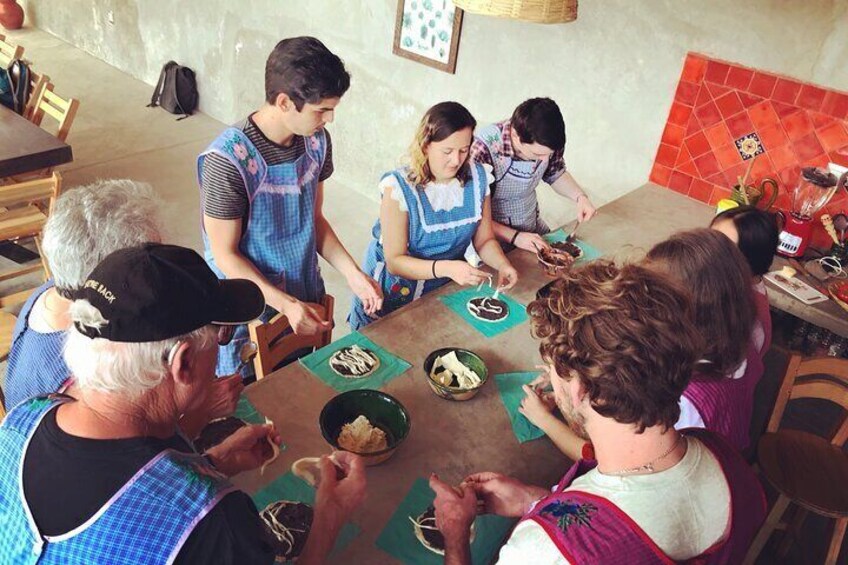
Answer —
383 411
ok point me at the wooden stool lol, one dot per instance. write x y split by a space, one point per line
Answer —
808 471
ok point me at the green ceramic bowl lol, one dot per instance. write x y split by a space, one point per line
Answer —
467 358
382 410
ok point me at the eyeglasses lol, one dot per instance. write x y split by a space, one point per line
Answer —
225 334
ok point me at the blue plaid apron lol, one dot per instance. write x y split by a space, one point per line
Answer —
147 521
280 237
432 235
514 200
36 365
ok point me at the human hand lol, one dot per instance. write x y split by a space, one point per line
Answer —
304 319
507 276
532 242
534 407
456 509
585 210
367 290
504 495
223 396
246 449
336 498
463 273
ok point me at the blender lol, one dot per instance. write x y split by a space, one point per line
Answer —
815 188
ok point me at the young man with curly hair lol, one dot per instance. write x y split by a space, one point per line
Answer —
621 345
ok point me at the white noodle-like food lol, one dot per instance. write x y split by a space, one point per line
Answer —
282 532
360 436
357 361
424 522
453 367
275 449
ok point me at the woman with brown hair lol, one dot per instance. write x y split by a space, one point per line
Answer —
435 218
720 396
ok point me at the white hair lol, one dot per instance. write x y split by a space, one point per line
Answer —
129 369
90 222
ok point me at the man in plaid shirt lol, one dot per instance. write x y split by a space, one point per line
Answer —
523 151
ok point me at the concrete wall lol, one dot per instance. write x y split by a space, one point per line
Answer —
613 71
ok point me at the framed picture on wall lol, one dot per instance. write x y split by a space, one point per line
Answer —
427 31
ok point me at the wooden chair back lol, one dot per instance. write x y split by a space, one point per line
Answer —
26 207
37 83
62 110
276 342
825 378
9 52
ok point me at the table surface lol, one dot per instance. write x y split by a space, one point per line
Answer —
25 147
454 439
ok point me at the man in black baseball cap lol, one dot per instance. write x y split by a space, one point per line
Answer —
112 466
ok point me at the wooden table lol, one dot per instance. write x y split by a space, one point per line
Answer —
454 439
25 147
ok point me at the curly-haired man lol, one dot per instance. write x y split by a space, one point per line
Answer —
621 345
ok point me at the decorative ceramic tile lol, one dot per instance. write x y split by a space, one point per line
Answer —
749 146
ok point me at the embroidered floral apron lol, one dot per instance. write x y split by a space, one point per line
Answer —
280 238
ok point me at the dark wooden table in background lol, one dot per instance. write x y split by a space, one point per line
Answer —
25 147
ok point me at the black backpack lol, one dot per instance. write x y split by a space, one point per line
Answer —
176 90
15 86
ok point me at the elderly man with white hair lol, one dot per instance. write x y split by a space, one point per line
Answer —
107 478
85 225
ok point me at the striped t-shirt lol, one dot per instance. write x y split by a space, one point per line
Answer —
222 192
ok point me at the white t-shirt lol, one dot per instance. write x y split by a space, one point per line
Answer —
685 510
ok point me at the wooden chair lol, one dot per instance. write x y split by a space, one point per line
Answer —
25 208
9 52
51 104
275 341
808 471
38 82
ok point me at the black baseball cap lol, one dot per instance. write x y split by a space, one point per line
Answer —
155 292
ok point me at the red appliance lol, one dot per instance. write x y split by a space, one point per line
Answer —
815 189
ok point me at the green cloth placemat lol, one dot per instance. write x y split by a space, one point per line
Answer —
589 252
398 537
319 363
245 410
289 487
458 302
509 387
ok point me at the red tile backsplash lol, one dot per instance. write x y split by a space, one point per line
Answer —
762 84
716 103
786 90
708 114
729 104
811 97
739 78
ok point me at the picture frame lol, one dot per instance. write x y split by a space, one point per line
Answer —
428 32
